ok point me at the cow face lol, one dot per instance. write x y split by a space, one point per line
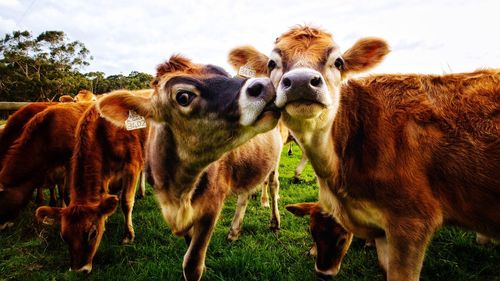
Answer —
206 111
307 69
82 227
331 240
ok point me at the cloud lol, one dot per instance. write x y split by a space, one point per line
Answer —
425 36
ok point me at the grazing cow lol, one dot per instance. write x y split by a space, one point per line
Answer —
14 128
208 140
85 96
66 98
331 240
106 160
42 152
396 156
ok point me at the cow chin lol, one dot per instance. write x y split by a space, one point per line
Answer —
266 121
301 110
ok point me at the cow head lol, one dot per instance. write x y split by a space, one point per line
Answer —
206 111
331 240
85 96
307 68
82 227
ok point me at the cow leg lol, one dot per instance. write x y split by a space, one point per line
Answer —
53 196
300 167
290 151
142 184
12 200
405 252
382 252
129 183
274 187
193 264
239 214
264 197
40 200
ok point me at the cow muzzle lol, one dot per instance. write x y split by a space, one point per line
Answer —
303 86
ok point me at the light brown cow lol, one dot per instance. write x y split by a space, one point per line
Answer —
42 152
396 156
66 98
85 96
201 117
106 160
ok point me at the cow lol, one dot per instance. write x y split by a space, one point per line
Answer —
85 96
106 160
331 240
14 128
396 156
41 153
211 135
66 98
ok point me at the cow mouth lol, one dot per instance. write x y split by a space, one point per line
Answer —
306 102
270 108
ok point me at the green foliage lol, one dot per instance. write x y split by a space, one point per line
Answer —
40 68
31 251
48 66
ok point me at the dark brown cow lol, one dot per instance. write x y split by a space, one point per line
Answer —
331 240
43 151
14 128
106 160
198 114
396 156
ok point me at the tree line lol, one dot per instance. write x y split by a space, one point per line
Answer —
47 66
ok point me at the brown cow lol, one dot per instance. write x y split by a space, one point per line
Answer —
331 240
199 114
14 128
42 151
106 160
66 98
396 156
85 96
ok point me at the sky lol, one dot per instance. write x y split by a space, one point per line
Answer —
438 36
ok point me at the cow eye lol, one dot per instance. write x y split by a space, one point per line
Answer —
271 65
92 233
339 63
184 98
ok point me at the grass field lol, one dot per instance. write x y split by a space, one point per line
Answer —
31 251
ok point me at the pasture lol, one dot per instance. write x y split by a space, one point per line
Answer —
32 251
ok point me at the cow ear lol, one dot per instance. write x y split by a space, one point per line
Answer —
48 215
301 209
108 205
365 54
250 57
116 106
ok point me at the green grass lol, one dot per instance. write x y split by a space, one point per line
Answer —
31 251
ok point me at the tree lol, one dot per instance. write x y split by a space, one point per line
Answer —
41 68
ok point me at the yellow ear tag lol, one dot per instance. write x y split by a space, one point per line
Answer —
247 71
135 121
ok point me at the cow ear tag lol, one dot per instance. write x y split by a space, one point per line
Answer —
135 121
247 72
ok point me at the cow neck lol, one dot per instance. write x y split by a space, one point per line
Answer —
173 169
87 181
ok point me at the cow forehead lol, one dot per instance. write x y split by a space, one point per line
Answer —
308 44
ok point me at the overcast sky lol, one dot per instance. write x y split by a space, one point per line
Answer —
122 36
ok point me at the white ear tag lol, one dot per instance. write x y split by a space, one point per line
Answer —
247 71
135 121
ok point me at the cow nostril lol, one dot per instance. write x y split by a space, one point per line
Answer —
316 81
287 83
255 89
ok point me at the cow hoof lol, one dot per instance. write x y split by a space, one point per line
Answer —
127 240
296 180
6 225
265 204
233 236
274 227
